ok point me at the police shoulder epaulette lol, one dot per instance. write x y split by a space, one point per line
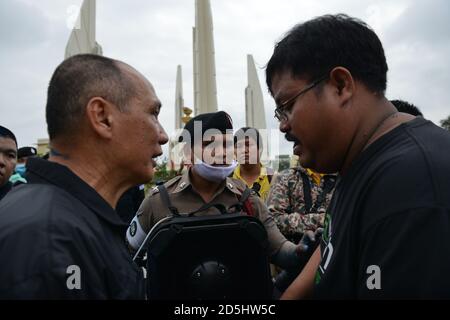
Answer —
154 191
239 184
167 184
172 181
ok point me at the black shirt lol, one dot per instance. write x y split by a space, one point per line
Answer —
388 232
5 189
60 239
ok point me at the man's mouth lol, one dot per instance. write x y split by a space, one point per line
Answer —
154 164
291 138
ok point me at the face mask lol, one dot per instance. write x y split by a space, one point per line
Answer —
20 168
212 173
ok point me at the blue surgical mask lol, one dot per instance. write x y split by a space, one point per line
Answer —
21 169
213 173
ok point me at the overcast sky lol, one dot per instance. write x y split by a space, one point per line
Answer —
155 36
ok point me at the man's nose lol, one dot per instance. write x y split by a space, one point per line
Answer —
163 137
2 160
284 126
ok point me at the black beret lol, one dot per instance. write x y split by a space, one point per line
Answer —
26 152
216 120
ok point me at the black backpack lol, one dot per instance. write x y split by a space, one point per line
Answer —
214 257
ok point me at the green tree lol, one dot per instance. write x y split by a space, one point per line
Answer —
162 174
446 123
284 162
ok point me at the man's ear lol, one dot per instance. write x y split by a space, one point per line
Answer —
342 80
100 114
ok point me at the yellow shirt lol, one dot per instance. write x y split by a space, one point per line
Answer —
315 176
263 181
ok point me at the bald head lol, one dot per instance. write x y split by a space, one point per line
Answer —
82 77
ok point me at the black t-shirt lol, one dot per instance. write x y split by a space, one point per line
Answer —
5 189
59 239
388 231
129 203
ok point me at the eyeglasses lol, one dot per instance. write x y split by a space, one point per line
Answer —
282 111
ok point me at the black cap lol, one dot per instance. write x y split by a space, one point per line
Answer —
216 120
26 152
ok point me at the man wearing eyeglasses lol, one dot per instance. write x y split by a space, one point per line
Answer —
328 78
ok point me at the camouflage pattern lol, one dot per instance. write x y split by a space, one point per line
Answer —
286 202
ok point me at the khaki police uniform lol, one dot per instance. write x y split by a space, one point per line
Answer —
186 200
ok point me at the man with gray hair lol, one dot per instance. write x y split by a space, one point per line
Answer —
102 118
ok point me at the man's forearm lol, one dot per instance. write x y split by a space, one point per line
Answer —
302 286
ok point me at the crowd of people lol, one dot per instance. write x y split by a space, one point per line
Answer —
364 213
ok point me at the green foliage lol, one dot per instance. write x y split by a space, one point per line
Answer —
162 174
446 123
284 162
283 165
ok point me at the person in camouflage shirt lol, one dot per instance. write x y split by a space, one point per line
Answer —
298 199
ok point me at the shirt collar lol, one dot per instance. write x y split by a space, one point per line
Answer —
231 185
262 173
311 174
184 182
315 176
43 171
